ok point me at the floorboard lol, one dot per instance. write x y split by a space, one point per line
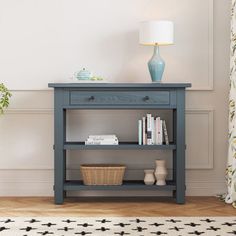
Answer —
44 206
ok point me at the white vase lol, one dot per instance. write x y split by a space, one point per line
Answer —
161 172
149 178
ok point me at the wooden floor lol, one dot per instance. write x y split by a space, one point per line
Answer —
195 206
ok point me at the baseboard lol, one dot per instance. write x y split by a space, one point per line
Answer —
46 189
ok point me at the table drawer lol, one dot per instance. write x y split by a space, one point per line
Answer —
119 98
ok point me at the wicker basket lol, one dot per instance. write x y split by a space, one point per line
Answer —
102 174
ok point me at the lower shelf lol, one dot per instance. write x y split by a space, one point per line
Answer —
127 185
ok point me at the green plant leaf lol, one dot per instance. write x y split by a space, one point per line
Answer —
4 97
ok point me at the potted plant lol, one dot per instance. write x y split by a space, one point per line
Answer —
4 97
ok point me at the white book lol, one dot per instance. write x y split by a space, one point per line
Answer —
105 136
149 129
153 129
165 133
156 133
101 139
101 142
140 132
159 131
144 130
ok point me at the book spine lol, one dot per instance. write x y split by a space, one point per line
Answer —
102 142
140 132
165 133
149 129
144 130
156 133
153 129
161 132
158 130
101 136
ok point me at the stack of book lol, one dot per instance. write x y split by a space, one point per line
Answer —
152 131
102 140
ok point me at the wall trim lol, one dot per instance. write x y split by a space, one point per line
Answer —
29 111
210 113
211 46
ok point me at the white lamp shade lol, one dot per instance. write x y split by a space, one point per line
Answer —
156 32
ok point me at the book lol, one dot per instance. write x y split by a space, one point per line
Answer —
101 139
159 137
149 129
165 133
153 130
140 132
161 133
105 136
156 131
101 142
144 130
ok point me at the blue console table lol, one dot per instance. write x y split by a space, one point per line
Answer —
119 96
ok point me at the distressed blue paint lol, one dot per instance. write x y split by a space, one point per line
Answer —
121 146
120 86
127 185
119 96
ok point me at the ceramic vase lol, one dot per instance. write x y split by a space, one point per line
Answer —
161 172
149 178
156 65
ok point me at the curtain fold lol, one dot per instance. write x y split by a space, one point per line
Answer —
231 168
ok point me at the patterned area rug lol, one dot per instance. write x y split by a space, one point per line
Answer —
176 226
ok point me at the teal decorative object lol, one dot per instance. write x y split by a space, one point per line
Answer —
84 75
156 33
156 65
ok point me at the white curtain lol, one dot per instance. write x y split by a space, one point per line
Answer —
231 168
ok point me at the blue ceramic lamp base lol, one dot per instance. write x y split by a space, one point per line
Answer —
156 65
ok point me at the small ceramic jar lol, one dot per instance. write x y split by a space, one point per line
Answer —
161 172
83 75
149 178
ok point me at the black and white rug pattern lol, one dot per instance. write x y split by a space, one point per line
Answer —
106 226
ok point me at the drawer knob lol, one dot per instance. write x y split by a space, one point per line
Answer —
91 98
146 98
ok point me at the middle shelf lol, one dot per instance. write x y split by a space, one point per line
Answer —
121 146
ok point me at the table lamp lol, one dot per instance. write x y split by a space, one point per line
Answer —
156 33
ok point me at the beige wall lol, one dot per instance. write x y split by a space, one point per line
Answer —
27 127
